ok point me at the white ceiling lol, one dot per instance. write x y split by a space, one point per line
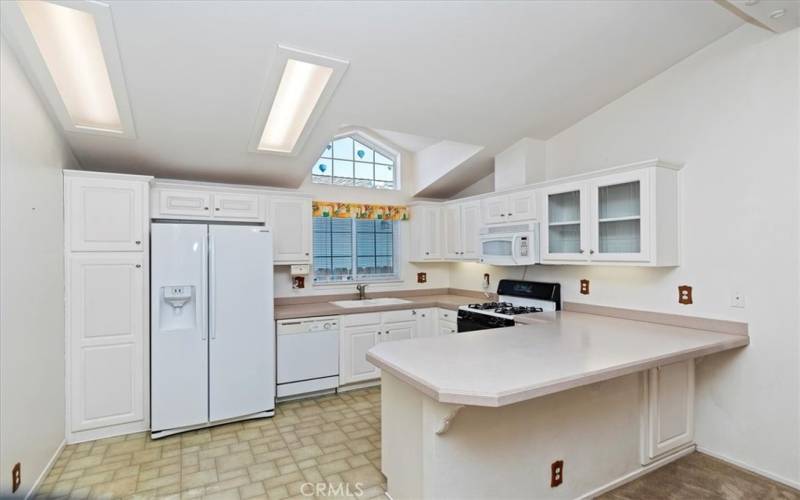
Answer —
484 73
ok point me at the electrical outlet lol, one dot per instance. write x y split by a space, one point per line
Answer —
422 277
486 281
584 287
737 300
685 295
556 473
16 477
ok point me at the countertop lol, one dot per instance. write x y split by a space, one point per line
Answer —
552 353
445 301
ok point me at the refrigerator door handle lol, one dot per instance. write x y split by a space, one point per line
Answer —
211 285
201 305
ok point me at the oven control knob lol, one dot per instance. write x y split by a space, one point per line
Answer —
326 326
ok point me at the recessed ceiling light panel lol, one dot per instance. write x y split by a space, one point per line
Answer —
299 87
71 50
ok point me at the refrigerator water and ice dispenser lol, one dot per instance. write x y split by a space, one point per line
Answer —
179 300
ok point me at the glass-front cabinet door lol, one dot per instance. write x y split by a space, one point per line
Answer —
619 218
564 234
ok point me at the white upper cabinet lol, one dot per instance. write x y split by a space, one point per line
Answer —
624 218
238 206
183 203
564 223
510 207
290 218
619 206
426 232
470 230
462 230
202 204
105 214
521 206
494 210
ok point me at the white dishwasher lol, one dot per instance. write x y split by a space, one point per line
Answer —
308 355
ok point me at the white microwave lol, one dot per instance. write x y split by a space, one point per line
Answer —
510 244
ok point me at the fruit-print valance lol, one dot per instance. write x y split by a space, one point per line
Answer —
341 210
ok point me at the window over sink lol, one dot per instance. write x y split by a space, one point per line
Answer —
353 160
350 249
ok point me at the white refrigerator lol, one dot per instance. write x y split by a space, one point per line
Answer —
212 325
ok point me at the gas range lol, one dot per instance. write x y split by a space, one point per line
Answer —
515 297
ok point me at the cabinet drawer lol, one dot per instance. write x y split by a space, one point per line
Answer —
399 316
447 315
365 319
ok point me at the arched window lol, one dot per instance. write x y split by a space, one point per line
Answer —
353 160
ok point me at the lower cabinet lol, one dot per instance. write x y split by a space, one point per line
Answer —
360 332
447 322
354 344
106 344
667 410
427 324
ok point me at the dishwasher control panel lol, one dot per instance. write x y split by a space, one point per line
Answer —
308 325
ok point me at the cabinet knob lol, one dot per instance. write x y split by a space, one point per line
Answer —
581 250
205 208
306 254
138 266
413 313
217 209
427 253
591 252
138 242
502 215
510 215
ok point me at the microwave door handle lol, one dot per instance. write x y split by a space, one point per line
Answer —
515 249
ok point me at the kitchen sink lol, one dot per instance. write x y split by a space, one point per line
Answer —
386 301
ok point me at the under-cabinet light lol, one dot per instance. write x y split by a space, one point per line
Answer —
70 46
299 90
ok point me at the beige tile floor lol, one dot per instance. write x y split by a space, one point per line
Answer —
333 441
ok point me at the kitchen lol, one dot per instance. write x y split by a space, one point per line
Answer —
540 292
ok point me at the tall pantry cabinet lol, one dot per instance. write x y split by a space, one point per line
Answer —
106 242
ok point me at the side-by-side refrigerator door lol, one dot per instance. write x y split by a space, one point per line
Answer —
241 322
179 330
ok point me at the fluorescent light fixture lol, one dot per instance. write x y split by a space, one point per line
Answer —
69 50
299 85
70 46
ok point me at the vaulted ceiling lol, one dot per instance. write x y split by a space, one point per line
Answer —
484 73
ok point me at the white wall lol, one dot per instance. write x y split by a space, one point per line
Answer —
32 154
730 112
433 162
438 274
485 185
523 162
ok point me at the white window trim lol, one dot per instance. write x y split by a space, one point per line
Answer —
377 145
396 277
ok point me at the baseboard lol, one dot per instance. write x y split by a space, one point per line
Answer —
359 385
616 483
107 432
755 470
46 471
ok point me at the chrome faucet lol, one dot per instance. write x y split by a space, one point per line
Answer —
362 291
